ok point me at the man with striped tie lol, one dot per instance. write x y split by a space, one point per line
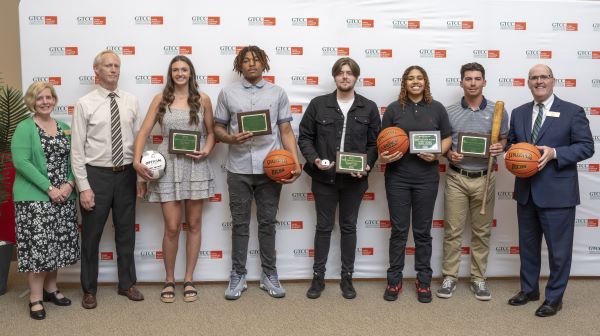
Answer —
104 126
546 201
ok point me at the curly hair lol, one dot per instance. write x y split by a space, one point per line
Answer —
168 94
403 96
256 52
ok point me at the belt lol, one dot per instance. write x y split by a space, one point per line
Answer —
115 169
469 173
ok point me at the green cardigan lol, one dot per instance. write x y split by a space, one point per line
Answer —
31 180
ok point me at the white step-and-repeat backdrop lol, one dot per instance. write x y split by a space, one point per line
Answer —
303 38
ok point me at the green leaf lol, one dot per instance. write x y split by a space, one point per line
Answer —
12 112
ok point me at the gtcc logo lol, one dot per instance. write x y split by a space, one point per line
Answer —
305 22
122 50
478 53
290 51
91 20
538 54
565 26
148 20
360 23
63 51
261 21
206 20
513 25
335 51
406 24
177 50
378 53
459 24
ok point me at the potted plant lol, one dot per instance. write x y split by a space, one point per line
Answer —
12 111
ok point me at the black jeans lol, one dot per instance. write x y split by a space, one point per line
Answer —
405 199
242 187
349 195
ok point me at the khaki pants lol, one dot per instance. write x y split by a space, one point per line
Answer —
463 197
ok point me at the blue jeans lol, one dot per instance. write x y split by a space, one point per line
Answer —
242 188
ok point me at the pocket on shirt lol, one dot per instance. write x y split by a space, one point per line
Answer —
325 126
360 125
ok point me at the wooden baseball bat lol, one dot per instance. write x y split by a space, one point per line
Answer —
496 123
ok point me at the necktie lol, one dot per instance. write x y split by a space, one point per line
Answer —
115 132
538 122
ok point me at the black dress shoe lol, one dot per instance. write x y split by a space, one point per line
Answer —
548 308
52 297
37 314
522 298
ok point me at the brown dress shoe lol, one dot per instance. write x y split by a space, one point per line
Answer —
132 294
89 301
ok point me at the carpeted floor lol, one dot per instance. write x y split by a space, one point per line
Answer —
255 313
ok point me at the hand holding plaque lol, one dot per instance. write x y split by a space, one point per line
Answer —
348 163
425 142
473 144
184 142
256 122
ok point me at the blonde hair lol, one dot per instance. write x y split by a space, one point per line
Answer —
98 57
34 90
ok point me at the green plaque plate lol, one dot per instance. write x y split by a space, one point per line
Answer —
183 142
425 142
474 144
257 122
350 163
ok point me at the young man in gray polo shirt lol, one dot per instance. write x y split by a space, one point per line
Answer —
245 175
465 183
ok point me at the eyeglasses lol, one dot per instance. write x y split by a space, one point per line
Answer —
542 77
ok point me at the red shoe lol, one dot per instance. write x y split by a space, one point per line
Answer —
392 291
423 292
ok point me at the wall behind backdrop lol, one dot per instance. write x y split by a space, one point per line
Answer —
303 39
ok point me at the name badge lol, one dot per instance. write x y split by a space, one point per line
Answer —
67 132
553 114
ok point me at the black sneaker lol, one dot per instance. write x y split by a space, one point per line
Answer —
348 291
392 291
423 292
316 286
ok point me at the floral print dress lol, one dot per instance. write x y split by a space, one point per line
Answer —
47 236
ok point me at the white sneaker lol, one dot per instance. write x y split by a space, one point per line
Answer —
481 290
448 287
237 284
270 283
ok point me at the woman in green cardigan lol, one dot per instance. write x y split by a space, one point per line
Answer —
47 237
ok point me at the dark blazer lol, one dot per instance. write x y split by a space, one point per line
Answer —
321 132
555 186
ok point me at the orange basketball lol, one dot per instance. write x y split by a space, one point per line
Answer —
279 164
522 159
392 139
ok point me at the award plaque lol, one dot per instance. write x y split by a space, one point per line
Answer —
473 144
350 163
184 142
257 122
425 142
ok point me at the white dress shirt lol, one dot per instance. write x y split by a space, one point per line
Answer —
91 132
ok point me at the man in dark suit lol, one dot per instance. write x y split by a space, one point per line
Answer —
546 201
